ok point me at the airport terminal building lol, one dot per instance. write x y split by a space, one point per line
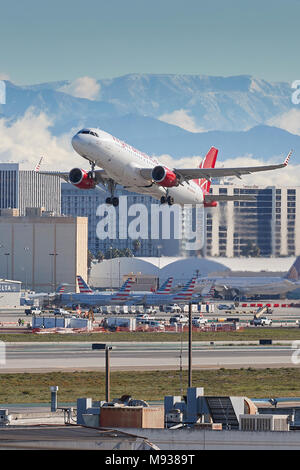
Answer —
10 293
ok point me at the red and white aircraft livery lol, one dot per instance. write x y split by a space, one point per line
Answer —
136 171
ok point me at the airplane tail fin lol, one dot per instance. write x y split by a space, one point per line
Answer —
166 287
61 288
208 161
186 293
294 272
83 286
124 291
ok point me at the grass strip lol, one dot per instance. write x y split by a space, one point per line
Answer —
246 334
149 385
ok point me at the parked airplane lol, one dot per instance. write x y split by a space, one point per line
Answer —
95 298
136 171
84 288
252 285
181 297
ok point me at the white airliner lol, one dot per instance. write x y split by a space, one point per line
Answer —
136 171
253 285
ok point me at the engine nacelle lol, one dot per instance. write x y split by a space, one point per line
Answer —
82 179
164 177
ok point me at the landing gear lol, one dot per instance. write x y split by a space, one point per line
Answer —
91 173
167 199
112 199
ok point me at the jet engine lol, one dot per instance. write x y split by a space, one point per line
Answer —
82 179
164 177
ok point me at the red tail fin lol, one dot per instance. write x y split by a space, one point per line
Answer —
208 162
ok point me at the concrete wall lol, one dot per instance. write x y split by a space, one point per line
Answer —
29 242
198 439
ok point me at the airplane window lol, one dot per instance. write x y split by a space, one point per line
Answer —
83 132
94 134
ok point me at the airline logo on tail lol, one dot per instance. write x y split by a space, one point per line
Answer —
208 162
186 293
166 287
83 287
294 272
123 293
60 289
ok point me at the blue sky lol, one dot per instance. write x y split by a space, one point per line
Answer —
46 41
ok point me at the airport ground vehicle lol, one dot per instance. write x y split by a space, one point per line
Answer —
60 311
261 321
173 308
226 307
199 320
33 311
144 316
180 318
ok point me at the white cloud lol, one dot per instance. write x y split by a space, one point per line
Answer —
4 76
29 138
181 118
83 87
289 176
289 121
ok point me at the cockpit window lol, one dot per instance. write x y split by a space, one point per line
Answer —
86 131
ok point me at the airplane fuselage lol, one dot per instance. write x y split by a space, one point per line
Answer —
122 163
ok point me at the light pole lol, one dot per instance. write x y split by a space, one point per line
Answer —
107 366
7 255
26 249
53 271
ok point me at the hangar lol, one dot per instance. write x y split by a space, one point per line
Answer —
109 273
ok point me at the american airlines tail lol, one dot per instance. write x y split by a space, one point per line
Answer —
60 289
208 162
166 287
186 293
124 292
294 272
83 287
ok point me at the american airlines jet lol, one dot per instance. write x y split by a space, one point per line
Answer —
95 298
136 171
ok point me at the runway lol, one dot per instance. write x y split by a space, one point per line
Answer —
28 357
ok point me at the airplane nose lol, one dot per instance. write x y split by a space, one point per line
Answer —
75 142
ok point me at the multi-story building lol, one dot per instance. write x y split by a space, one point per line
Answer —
86 203
270 222
24 188
43 252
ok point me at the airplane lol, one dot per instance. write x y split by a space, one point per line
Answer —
122 164
256 285
184 296
84 288
95 298
28 298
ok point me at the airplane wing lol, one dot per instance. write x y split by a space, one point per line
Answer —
100 175
185 174
208 173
